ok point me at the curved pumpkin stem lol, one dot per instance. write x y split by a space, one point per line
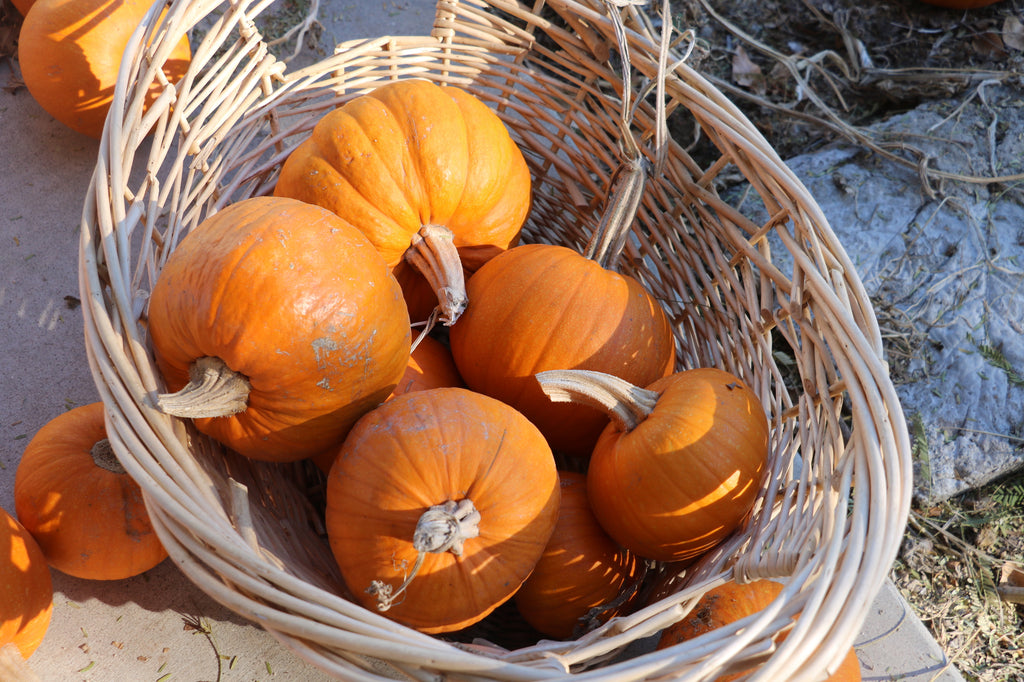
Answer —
103 456
442 528
433 252
608 240
213 390
627 405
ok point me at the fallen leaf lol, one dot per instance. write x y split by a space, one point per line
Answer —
746 73
1011 583
989 43
1012 574
1013 33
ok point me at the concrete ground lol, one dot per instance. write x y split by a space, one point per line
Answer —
158 626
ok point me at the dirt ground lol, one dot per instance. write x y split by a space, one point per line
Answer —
802 69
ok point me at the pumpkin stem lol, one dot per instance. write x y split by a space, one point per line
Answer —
608 240
103 456
441 528
213 390
627 405
432 252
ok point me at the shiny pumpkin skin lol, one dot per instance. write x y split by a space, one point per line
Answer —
422 449
412 153
70 52
581 568
90 522
300 303
541 307
687 476
730 602
26 588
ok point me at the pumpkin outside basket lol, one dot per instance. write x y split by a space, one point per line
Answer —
830 517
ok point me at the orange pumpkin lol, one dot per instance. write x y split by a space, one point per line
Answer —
540 307
430 366
70 53
439 504
428 173
76 499
730 602
680 465
290 314
26 591
582 570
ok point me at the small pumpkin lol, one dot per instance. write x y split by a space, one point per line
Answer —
76 499
728 603
541 307
26 589
428 173
70 52
582 574
430 366
276 325
681 463
439 505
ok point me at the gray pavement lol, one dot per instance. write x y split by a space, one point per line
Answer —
158 626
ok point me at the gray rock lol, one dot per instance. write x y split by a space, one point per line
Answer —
943 263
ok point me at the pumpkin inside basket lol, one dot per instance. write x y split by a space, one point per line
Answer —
735 285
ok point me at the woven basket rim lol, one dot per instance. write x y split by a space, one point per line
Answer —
224 548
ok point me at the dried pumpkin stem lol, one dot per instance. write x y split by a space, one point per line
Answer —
441 528
609 238
103 456
213 390
627 405
432 251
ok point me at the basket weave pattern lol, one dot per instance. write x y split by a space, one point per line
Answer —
831 515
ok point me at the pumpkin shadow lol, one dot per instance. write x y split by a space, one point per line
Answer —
162 588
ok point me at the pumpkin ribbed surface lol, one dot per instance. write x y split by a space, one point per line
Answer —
298 302
411 154
429 448
688 474
542 307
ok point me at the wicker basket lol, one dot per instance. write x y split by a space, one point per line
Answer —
830 518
